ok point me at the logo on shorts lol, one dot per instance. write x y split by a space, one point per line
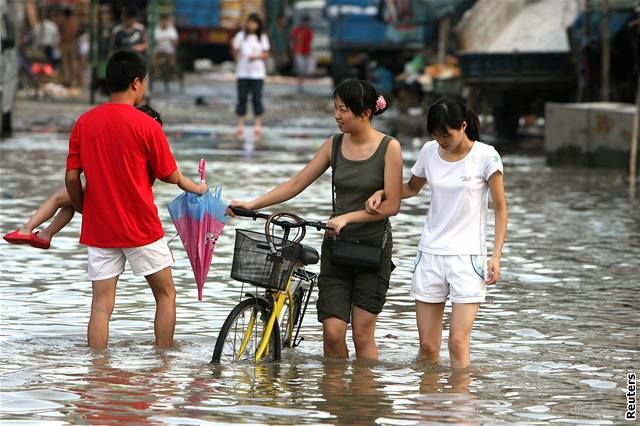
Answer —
476 262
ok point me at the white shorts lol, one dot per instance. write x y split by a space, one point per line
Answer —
462 278
107 263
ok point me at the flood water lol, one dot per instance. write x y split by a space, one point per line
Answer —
553 343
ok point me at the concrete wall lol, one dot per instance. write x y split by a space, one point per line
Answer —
588 134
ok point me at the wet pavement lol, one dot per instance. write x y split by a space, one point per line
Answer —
553 343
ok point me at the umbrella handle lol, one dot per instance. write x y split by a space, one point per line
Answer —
201 169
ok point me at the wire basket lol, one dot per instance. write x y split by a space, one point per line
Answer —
254 262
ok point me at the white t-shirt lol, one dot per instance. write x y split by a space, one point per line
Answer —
164 38
46 33
457 219
250 46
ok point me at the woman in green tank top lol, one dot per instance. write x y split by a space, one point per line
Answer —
366 160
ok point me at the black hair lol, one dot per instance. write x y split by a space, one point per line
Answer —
255 18
306 19
123 67
68 13
449 113
359 96
150 112
129 12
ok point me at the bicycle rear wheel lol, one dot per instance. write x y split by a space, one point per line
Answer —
242 333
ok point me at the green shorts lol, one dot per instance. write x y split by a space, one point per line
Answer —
342 287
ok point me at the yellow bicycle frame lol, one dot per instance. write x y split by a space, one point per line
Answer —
280 298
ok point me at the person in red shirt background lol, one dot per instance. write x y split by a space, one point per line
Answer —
301 38
121 152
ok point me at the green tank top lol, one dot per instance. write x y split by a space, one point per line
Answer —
354 183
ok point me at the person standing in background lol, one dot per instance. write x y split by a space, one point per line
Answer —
250 50
130 34
69 47
301 38
46 37
166 37
280 49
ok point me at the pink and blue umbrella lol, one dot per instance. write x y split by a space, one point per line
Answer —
199 220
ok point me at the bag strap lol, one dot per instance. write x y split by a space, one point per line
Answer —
335 146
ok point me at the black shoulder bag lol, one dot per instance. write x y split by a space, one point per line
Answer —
351 253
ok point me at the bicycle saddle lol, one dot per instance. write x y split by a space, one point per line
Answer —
309 255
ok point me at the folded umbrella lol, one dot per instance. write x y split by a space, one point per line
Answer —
199 220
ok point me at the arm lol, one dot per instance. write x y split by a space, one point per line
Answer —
392 187
184 183
409 189
496 186
234 48
283 192
74 188
144 44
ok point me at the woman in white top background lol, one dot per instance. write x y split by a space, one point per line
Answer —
250 50
452 256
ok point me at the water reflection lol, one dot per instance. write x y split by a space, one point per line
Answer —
553 343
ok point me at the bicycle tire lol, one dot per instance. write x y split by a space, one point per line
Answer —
296 309
230 336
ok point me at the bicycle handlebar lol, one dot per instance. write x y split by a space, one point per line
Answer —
282 223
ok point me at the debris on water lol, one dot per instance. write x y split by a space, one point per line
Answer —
200 101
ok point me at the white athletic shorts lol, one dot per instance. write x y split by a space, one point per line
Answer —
107 263
462 278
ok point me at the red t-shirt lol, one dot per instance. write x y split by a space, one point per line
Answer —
301 37
121 151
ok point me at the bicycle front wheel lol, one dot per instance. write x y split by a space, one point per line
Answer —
242 333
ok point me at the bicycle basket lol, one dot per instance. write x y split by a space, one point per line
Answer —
253 261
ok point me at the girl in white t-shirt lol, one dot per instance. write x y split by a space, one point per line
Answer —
250 50
452 256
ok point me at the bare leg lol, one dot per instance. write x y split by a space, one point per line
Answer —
240 129
364 328
334 334
258 127
164 292
462 317
429 317
102 303
60 220
46 211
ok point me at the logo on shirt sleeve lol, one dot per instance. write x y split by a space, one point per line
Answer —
496 158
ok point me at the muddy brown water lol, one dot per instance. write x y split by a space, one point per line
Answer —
553 343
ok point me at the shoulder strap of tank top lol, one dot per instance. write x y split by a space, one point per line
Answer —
385 141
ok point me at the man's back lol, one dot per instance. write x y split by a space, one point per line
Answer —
121 151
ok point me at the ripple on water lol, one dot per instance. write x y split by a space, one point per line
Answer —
552 343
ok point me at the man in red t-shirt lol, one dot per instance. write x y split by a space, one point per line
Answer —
301 38
121 152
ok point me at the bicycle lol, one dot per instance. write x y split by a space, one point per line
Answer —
259 326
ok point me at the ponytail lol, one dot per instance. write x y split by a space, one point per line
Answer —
473 125
449 113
